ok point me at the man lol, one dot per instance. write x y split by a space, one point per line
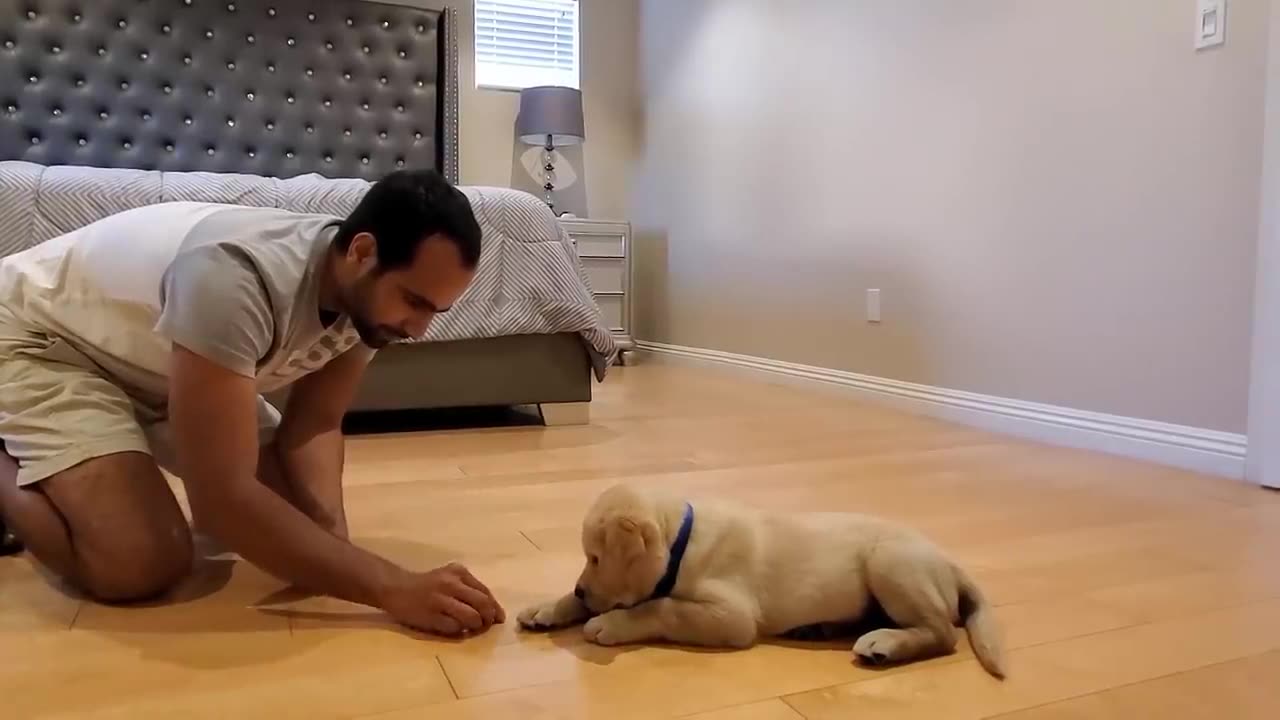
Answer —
147 339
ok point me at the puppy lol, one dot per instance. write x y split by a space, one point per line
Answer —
713 574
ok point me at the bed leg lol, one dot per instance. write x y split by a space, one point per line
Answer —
561 414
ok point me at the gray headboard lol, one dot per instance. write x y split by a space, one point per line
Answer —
343 88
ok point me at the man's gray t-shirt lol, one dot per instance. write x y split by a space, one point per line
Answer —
239 286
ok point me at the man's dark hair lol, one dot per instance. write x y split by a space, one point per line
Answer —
406 207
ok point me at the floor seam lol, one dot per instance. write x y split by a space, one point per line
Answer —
530 541
447 679
791 707
76 616
723 708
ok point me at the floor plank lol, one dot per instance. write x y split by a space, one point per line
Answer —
31 601
1057 671
1239 689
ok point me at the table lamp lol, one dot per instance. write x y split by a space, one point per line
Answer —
550 116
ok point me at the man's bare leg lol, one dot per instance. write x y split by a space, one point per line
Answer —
9 543
31 516
109 525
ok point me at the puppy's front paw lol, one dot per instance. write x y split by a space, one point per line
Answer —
608 629
548 616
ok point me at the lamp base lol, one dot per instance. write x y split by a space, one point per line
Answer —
548 173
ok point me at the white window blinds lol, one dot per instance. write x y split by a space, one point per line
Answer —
522 43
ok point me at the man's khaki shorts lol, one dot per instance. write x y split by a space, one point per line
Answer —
58 409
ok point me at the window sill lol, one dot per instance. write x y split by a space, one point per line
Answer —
495 87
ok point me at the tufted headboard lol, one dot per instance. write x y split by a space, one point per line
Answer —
342 88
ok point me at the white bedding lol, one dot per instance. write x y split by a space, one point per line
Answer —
529 281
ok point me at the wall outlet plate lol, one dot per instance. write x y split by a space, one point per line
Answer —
873 306
1211 23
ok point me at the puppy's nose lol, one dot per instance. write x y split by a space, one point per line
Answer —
579 593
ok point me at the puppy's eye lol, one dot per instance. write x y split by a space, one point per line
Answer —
594 560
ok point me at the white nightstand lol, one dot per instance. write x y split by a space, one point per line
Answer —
604 249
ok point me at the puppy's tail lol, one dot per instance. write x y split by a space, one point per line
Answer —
979 621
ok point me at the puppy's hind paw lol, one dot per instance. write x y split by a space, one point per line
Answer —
877 648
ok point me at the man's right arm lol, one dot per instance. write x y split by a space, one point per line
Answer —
213 412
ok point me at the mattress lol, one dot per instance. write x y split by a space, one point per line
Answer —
529 281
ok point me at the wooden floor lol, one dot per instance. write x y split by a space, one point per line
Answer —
1125 590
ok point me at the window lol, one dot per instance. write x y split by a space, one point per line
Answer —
522 43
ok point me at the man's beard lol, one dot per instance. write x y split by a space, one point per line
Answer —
374 336
371 334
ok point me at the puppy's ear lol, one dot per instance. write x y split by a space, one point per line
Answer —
629 538
650 536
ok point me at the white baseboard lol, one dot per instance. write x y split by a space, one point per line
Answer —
1197 449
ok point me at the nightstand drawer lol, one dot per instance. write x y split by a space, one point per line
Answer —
606 275
611 311
603 250
598 244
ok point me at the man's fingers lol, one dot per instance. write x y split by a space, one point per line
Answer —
468 617
445 625
482 603
500 615
473 581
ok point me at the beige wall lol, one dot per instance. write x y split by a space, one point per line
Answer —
1264 399
1058 199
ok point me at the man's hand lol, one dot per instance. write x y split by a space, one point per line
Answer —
447 601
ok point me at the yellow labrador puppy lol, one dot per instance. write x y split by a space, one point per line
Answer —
659 568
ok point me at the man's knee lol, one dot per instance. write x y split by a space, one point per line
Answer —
135 564
129 540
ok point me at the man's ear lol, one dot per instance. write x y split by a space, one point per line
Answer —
363 250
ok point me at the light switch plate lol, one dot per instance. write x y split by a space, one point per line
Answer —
1211 23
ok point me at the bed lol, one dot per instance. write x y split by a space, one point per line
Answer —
108 104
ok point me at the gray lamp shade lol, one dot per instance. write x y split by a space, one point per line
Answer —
550 110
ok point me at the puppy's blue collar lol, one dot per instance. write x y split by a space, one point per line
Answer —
678 548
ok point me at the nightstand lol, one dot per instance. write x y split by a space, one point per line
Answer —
604 249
